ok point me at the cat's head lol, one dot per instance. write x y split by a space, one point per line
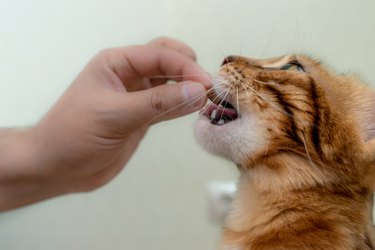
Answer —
291 105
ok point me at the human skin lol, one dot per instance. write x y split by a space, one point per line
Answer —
90 134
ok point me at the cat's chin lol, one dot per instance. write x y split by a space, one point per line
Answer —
236 140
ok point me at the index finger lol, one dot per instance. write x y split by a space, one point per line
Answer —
136 62
176 45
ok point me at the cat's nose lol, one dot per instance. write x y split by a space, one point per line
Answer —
228 59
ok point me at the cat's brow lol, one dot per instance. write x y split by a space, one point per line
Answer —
275 64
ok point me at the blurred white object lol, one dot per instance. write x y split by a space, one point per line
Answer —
220 196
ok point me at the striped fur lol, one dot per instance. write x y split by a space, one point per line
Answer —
308 181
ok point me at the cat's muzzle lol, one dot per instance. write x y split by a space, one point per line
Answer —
220 111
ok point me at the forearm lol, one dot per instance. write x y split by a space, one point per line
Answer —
22 179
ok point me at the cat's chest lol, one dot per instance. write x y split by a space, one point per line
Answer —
249 208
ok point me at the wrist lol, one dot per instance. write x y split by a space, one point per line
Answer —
24 178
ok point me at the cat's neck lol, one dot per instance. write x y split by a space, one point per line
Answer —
265 194
263 215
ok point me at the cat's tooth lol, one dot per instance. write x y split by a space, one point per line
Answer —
213 114
220 122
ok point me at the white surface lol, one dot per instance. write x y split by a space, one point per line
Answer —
220 195
159 201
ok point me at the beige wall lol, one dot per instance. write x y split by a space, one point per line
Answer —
158 201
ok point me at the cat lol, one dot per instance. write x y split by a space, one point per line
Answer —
303 140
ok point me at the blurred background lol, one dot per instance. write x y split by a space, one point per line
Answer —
159 201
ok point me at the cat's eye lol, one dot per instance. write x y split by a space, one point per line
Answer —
293 66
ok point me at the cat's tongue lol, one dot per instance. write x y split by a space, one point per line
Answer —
219 115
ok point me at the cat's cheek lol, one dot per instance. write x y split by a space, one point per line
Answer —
236 141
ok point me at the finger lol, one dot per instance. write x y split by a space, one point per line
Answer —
175 45
133 63
159 81
139 84
161 103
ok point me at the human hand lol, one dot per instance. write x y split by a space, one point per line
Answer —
95 127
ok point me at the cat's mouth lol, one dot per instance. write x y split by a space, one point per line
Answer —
219 111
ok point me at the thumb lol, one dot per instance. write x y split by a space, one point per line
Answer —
164 102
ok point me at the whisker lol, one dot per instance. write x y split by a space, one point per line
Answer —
216 98
174 76
290 115
307 151
245 88
258 81
178 106
268 144
253 90
223 99
286 113
226 94
270 40
272 104
189 101
238 104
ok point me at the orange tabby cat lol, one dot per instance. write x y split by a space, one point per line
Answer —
302 138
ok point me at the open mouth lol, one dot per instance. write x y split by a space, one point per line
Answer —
219 112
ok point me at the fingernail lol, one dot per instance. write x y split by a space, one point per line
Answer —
204 77
194 92
207 80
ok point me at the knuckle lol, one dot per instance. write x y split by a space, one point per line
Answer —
105 53
157 101
190 53
161 41
176 45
